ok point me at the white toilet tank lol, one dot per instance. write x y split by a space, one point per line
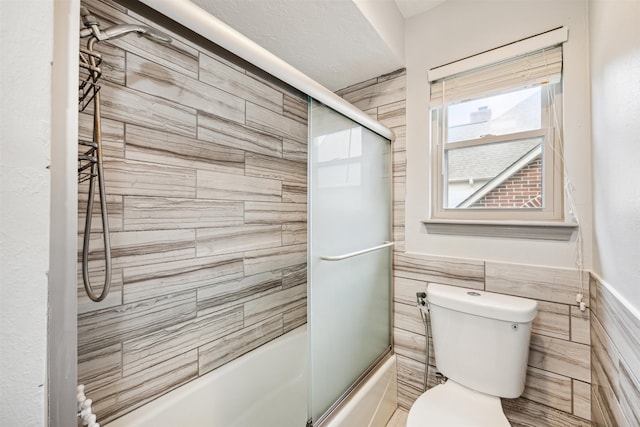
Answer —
481 339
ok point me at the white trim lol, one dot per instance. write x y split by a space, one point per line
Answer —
531 44
634 311
540 230
202 22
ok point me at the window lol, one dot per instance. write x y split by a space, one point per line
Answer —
496 134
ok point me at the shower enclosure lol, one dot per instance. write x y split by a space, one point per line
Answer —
239 211
349 257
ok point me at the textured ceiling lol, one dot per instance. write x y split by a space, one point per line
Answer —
331 41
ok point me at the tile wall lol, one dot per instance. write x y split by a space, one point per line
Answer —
558 383
615 359
205 164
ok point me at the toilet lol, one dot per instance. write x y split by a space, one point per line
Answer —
481 345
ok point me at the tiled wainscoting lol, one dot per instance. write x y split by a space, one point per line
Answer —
557 391
615 359
205 165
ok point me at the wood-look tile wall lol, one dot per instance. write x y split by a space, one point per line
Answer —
615 359
557 390
205 166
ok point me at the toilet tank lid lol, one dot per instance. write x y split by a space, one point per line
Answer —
480 303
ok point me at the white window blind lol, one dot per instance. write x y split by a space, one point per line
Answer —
529 62
532 69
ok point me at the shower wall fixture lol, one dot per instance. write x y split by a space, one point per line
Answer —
90 161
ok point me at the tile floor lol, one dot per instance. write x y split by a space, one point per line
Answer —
398 419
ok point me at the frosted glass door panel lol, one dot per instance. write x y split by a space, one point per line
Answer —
350 210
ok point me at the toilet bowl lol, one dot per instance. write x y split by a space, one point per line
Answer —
453 405
481 344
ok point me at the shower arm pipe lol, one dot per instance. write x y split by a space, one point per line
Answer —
202 22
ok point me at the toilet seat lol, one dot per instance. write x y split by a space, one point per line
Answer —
453 405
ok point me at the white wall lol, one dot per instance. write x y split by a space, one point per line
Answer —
388 22
457 29
615 85
26 41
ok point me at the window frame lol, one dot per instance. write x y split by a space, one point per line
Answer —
553 184
554 226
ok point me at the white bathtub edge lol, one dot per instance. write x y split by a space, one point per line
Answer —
374 402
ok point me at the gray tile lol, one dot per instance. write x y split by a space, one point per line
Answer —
448 271
549 389
393 115
561 357
295 317
410 344
125 395
262 260
630 394
235 135
100 367
294 150
598 416
163 148
231 292
623 326
290 171
294 275
296 108
107 327
276 124
228 79
410 372
96 280
379 94
163 83
407 395
582 399
274 213
225 240
161 213
542 283
133 248
580 330
552 320
294 193
526 413
258 309
407 317
143 352
155 280
114 210
404 290
604 360
134 178
130 106
605 390
112 133
230 347
294 233
214 185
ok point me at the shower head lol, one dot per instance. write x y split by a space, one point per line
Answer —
92 28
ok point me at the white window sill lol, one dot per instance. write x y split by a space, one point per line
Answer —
561 231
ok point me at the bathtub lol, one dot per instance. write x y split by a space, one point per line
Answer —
266 387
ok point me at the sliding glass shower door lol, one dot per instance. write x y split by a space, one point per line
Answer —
349 254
